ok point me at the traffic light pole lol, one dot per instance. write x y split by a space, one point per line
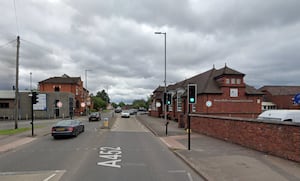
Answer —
192 99
32 126
189 128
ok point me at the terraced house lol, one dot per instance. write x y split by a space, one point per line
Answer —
221 92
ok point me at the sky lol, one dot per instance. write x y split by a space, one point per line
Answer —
111 44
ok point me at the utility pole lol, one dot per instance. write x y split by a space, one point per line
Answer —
17 85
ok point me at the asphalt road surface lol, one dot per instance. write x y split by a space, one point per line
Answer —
126 152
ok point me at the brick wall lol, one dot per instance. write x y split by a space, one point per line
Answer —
280 139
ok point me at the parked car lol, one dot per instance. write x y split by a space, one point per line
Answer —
125 114
281 115
95 116
67 128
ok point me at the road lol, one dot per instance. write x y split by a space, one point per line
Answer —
126 152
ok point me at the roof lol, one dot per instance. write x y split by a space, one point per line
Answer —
207 84
7 94
281 90
64 79
158 93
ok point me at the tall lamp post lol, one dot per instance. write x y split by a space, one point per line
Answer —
165 80
86 96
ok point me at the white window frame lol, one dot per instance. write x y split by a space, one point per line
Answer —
234 92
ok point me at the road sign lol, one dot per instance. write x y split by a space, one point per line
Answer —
297 99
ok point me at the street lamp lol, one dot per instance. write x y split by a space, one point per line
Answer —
86 96
165 80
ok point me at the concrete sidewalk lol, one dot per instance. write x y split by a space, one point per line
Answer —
217 160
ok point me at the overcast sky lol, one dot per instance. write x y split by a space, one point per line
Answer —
115 41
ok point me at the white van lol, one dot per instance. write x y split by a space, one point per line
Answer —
281 115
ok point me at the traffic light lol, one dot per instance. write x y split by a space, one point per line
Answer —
165 98
35 98
192 93
169 99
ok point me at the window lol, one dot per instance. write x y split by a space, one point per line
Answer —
4 105
227 81
233 81
233 92
56 89
179 101
238 81
193 107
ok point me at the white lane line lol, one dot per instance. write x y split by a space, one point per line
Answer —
182 171
176 171
190 176
50 177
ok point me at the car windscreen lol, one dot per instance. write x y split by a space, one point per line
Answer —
65 123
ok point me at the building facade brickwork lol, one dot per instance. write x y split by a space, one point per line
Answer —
69 84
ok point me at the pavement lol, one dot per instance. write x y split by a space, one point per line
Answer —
218 160
212 159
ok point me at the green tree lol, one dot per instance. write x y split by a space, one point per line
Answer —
122 104
115 105
139 103
103 95
99 103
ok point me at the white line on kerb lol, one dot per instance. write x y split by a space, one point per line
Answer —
51 176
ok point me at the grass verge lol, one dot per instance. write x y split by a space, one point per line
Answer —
13 131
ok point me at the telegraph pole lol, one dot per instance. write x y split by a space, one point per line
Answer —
17 85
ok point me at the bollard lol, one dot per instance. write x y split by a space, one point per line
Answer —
105 123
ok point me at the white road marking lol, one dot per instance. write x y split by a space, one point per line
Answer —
190 176
182 171
50 177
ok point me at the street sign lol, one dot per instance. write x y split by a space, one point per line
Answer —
297 98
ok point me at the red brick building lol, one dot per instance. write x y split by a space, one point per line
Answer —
69 84
280 96
221 92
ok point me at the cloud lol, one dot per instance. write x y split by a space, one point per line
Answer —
115 41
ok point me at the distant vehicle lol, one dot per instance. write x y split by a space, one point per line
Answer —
133 111
125 114
67 128
281 115
118 110
142 109
95 116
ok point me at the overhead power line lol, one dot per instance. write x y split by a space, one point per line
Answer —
6 44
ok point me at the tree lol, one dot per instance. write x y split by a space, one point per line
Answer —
103 95
139 103
122 104
99 103
115 105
